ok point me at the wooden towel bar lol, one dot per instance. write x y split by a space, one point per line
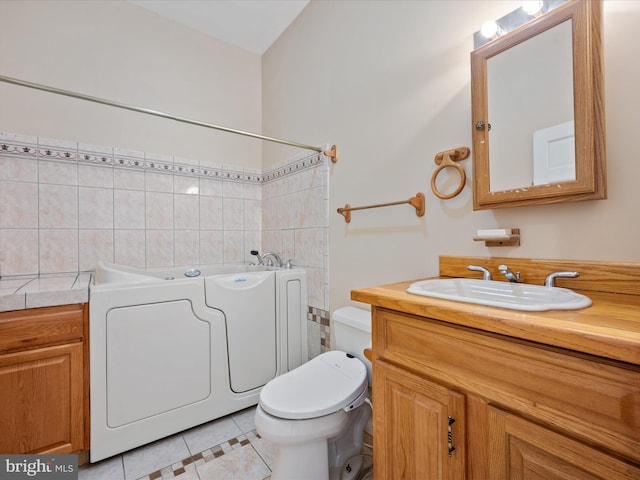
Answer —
417 202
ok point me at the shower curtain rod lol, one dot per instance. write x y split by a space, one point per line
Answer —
332 153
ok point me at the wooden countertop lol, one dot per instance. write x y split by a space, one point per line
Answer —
609 328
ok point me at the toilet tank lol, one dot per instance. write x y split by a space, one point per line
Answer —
352 330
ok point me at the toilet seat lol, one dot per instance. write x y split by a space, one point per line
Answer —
328 383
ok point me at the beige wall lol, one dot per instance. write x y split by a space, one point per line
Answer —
389 82
115 50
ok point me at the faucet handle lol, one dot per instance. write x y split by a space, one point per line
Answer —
512 277
549 281
486 274
289 264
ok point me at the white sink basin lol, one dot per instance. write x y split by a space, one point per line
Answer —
514 296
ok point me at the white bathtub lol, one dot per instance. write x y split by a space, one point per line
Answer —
169 352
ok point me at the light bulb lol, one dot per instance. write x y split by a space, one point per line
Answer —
532 7
489 29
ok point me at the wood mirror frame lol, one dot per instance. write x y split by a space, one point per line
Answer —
588 100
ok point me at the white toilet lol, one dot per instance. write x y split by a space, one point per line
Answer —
316 414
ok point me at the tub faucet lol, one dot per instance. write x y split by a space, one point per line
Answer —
276 259
512 277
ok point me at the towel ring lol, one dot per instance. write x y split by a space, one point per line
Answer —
449 159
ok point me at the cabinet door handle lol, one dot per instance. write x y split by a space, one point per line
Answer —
450 445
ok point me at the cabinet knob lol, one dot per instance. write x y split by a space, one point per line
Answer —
480 124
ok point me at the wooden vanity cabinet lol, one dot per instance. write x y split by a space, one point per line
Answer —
415 415
512 409
44 380
534 451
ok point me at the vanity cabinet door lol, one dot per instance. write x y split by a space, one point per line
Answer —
523 450
44 396
418 425
41 397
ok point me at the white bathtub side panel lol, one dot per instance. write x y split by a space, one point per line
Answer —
248 303
293 324
106 441
158 359
292 312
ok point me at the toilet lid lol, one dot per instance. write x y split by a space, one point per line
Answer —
321 386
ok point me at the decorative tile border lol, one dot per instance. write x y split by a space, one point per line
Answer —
323 318
295 167
63 151
318 315
17 149
95 158
213 453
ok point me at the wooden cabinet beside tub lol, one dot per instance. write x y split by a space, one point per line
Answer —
43 380
467 391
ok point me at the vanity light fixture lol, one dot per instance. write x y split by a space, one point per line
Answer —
532 7
491 30
529 10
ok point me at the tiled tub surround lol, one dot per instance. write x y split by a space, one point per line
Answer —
65 205
295 219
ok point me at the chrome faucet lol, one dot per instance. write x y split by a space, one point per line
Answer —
549 280
512 277
486 274
276 258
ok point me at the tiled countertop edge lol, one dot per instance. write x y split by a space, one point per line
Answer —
35 291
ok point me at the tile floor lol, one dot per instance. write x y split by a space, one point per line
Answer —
225 449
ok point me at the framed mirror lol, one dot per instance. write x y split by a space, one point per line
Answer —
538 129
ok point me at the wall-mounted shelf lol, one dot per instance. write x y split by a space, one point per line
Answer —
509 240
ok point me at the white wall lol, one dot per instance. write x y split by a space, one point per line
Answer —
118 51
389 82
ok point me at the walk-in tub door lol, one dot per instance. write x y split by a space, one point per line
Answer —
248 303
158 359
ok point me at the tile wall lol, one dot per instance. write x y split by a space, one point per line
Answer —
295 218
295 222
66 205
